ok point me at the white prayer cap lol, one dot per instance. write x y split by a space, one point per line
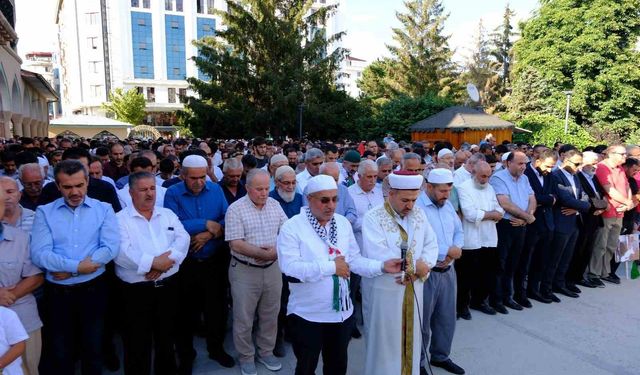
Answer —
278 158
443 152
320 183
403 180
505 156
440 176
43 162
194 161
283 170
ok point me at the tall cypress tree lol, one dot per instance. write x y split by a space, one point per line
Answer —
502 49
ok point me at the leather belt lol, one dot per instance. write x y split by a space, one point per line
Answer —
440 269
251 264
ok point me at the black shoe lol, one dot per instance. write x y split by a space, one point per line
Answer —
500 308
610 279
279 350
587 283
538 297
484 308
111 362
574 288
449 366
356 333
465 314
224 359
551 296
510 303
614 276
423 371
597 282
566 292
523 301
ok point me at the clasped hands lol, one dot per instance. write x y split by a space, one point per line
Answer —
85 267
214 230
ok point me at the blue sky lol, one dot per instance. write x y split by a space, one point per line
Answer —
369 22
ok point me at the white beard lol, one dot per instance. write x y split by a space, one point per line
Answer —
286 196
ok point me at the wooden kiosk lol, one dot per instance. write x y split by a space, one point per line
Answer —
461 124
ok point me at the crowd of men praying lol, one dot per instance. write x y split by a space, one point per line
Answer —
156 242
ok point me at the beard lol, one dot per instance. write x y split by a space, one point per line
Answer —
480 186
286 196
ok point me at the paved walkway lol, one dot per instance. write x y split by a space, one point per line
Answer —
596 334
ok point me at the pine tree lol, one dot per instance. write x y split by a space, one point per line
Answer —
271 57
480 67
502 50
422 50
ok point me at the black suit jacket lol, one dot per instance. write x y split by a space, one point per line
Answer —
566 198
544 198
586 187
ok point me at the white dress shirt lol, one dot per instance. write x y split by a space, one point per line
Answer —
302 254
474 203
141 240
460 176
301 180
125 197
364 202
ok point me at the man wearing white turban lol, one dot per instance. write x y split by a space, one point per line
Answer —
317 252
392 303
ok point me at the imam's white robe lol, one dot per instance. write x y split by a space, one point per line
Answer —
382 297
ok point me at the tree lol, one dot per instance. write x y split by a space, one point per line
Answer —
530 94
422 51
480 69
127 106
378 81
502 49
589 47
548 129
272 57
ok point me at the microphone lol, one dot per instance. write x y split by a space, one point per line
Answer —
403 256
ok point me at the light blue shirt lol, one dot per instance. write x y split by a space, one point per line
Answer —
518 190
62 237
445 222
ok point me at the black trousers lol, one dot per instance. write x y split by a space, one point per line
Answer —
510 244
584 248
562 245
283 325
203 287
533 260
75 323
148 324
474 273
310 338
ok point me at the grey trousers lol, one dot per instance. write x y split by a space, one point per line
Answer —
255 291
439 315
604 248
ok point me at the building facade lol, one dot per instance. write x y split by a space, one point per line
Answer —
131 44
24 95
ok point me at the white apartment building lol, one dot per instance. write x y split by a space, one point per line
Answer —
131 44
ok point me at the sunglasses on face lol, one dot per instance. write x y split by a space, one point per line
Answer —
326 200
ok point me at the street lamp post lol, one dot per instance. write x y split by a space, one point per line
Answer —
566 118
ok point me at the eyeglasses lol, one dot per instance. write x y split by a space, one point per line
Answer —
326 200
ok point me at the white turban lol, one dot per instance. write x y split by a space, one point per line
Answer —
320 183
405 181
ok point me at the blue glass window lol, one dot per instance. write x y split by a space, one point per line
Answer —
142 42
176 53
206 27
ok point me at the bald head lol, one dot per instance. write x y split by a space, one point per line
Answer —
481 173
331 169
